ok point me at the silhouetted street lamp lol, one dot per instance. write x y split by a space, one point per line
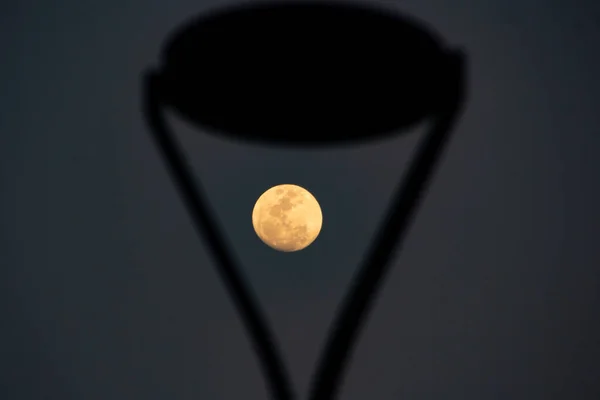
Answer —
307 75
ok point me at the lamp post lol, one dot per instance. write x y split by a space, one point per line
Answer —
307 75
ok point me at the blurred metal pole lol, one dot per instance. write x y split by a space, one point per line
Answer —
446 105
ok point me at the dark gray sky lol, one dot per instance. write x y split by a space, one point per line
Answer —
495 295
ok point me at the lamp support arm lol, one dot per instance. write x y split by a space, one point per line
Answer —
271 362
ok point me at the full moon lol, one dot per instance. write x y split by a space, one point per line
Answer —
287 218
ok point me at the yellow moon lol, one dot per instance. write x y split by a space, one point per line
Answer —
287 218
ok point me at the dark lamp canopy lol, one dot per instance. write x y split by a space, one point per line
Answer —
304 73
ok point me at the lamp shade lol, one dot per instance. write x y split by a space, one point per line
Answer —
303 73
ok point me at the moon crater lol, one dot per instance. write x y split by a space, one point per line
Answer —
287 218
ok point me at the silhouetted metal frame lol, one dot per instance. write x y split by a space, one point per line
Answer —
366 283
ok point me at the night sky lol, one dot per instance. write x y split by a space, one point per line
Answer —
107 293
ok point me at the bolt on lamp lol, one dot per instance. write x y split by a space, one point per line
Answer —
307 74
